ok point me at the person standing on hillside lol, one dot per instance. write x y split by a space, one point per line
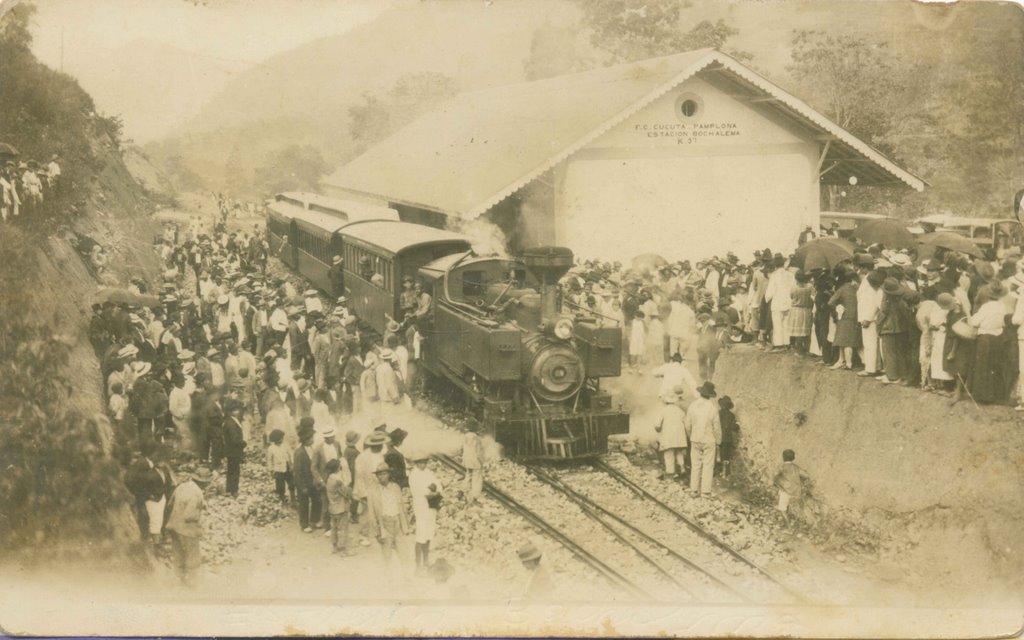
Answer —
704 429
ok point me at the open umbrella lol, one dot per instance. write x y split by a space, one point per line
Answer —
891 233
952 241
823 253
124 296
7 150
648 262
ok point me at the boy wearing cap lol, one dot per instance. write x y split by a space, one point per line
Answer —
184 523
704 429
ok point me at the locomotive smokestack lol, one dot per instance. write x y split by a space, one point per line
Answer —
548 264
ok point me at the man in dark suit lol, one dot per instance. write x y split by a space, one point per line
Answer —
214 445
307 483
234 444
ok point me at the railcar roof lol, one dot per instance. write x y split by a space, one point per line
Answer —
353 209
396 236
326 221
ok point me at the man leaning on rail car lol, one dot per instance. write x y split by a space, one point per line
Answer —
337 276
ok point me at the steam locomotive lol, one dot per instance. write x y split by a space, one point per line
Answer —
497 329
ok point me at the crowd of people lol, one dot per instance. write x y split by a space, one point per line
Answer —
947 324
26 186
225 359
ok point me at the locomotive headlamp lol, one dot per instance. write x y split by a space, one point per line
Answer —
563 328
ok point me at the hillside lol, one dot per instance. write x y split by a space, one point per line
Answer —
62 487
167 85
303 96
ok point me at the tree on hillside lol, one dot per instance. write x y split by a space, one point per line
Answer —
637 29
295 167
860 85
987 110
552 53
413 94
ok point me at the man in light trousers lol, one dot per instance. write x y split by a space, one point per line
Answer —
869 298
704 429
779 295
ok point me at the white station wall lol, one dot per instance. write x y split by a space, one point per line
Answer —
728 179
683 208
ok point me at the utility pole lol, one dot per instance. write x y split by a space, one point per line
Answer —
62 49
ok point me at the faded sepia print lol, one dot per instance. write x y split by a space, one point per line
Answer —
511 317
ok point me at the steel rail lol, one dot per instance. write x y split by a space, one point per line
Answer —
581 498
593 512
721 544
548 529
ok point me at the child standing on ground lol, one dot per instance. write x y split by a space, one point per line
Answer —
730 434
339 493
792 482
279 463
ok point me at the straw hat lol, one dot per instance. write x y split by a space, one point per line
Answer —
529 551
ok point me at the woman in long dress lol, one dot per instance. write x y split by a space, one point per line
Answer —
801 318
937 325
847 337
425 489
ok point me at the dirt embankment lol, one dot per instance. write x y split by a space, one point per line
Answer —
942 480
53 281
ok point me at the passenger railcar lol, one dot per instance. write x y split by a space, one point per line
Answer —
496 330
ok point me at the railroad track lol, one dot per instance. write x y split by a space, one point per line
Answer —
692 578
708 567
588 558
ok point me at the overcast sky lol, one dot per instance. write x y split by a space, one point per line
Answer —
236 32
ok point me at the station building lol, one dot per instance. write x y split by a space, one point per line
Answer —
688 155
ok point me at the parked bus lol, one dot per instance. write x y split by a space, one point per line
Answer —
995 234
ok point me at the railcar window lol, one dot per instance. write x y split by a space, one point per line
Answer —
474 283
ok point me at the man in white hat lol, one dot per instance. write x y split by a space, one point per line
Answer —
312 302
671 427
327 448
385 513
390 388
336 274
539 586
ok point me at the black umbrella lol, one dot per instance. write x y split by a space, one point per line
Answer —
823 253
953 242
893 234
7 150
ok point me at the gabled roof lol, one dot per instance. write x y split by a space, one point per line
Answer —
481 147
